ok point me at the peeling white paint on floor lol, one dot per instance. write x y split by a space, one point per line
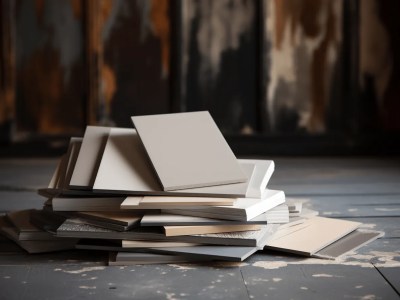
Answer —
325 276
80 271
368 225
170 296
275 279
365 260
85 287
387 209
182 267
368 297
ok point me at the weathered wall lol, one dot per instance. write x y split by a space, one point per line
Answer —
380 65
304 39
219 61
264 67
49 66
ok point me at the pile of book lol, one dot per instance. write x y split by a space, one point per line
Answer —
171 190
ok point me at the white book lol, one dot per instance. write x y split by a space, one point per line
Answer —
187 150
278 214
89 157
243 209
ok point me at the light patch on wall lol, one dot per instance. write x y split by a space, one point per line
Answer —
300 38
221 24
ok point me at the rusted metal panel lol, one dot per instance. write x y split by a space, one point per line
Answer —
129 45
219 62
50 67
304 39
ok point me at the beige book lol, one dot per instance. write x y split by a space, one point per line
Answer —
189 230
89 157
73 152
160 202
312 235
187 150
125 168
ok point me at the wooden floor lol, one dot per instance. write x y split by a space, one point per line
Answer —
364 189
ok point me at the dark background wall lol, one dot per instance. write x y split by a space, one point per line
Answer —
278 76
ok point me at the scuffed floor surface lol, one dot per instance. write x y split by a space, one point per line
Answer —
366 190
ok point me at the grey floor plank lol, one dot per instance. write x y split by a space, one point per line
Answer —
355 205
10 201
336 176
70 257
26 174
316 282
392 275
139 282
389 225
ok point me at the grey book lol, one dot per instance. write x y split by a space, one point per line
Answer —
24 230
77 228
225 253
127 259
127 246
74 228
35 246
187 150
120 221
348 243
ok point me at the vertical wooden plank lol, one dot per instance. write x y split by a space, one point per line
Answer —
50 67
7 69
133 60
379 65
219 61
304 54
94 20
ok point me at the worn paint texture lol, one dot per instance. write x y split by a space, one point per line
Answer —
7 63
379 64
304 38
49 65
134 60
219 61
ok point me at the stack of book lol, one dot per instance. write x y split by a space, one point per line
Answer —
171 190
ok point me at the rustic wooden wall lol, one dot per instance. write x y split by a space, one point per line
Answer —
265 68
379 65
49 50
220 61
304 44
132 46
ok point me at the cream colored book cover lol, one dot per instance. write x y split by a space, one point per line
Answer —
187 150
